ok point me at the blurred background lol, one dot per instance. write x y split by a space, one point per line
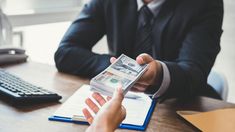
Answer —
38 26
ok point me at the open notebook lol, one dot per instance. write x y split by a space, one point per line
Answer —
139 110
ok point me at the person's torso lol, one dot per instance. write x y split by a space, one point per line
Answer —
170 27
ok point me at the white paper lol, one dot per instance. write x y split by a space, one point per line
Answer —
137 109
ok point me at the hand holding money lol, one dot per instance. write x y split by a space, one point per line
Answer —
123 71
150 77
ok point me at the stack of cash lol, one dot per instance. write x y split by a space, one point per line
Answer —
123 72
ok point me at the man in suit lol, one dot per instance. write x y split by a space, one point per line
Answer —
180 40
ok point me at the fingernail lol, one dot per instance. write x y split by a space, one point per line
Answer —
119 89
112 59
140 59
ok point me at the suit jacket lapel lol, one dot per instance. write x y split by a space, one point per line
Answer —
161 21
128 24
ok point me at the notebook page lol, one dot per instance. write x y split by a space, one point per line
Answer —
137 109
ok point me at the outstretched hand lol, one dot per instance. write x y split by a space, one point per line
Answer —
111 114
151 75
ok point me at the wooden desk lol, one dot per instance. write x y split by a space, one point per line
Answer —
35 118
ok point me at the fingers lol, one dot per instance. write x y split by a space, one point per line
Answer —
109 98
99 99
141 59
123 112
137 89
140 85
144 58
112 59
118 97
87 115
92 105
117 102
145 79
118 94
133 89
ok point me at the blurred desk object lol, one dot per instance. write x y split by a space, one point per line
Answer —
33 12
35 118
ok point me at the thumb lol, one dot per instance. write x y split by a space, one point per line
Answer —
144 58
118 94
113 59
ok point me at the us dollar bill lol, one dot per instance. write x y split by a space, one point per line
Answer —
124 72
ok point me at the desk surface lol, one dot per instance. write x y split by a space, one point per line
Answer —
35 118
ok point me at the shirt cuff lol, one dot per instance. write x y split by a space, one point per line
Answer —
166 80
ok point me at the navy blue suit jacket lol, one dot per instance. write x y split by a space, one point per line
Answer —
186 38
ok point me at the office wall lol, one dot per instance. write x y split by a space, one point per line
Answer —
225 62
38 4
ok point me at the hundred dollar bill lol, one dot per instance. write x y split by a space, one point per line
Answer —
124 71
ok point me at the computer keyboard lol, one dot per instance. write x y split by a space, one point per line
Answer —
20 91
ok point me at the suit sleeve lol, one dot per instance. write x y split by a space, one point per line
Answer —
74 54
197 55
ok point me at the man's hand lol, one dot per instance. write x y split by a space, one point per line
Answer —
152 74
109 116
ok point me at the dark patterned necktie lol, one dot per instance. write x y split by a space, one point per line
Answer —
143 41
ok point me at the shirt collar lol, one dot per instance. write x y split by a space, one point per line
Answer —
153 5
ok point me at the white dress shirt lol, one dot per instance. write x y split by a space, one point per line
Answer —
154 7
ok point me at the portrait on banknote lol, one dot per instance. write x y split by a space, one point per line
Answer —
126 65
112 80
